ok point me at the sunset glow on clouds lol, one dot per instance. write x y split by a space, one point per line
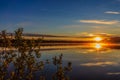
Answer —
112 12
59 17
100 21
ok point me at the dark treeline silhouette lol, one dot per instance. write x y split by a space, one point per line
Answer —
26 60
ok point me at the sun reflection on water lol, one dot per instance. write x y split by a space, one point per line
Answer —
98 46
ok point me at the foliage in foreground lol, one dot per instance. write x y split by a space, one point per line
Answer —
26 60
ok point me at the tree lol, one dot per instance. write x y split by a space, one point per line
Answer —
6 41
18 37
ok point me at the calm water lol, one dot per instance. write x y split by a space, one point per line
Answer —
90 64
87 63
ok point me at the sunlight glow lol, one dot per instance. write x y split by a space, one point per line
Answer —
97 38
91 34
98 46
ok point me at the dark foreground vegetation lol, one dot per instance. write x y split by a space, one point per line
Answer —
25 60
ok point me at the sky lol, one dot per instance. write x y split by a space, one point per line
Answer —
61 17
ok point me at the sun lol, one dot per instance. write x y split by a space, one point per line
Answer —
98 39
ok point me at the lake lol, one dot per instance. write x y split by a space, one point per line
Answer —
88 62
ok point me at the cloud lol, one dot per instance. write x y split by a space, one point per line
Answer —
113 73
112 12
99 64
24 24
100 22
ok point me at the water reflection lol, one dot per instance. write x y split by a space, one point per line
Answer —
37 64
25 65
98 46
90 47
